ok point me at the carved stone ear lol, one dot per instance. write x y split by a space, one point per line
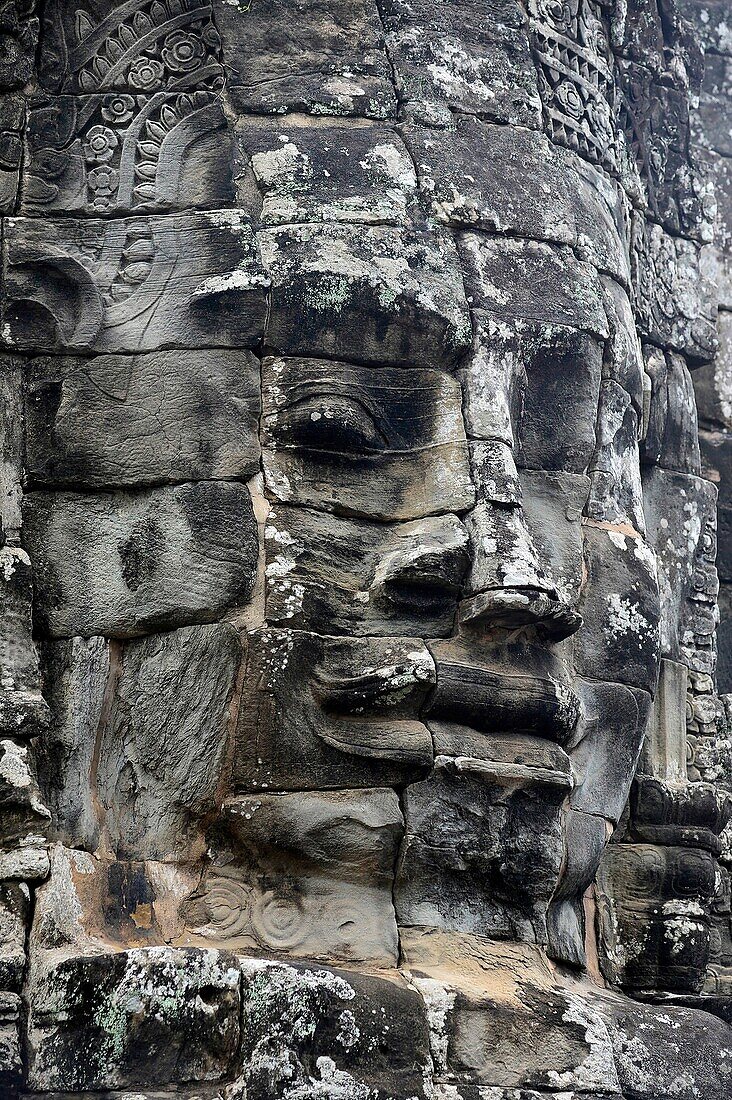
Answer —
52 301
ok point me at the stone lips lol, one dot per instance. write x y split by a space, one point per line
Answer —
358 552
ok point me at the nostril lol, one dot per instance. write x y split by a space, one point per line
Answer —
420 588
425 577
514 607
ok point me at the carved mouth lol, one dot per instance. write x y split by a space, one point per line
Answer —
487 700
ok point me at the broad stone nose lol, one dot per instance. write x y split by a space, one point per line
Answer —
508 584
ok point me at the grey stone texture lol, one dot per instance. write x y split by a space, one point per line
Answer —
365 550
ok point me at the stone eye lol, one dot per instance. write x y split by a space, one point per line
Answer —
333 423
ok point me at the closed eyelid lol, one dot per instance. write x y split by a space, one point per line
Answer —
313 410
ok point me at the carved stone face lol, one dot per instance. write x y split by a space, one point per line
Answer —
460 597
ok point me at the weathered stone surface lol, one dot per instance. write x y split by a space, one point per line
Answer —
348 431
388 444
304 875
680 511
712 381
146 419
527 281
331 59
483 846
124 563
656 928
310 1031
658 1049
462 59
150 1017
11 1058
23 711
327 712
672 435
509 180
131 285
141 775
493 1019
14 913
374 295
606 746
674 303
321 170
620 609
122 153
616 494
664 749
11 448
338 575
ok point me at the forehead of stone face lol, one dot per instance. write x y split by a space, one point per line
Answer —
328 57
519 282
384 444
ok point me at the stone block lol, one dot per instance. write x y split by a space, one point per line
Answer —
332 712
372 295
653 916
495 1010
692 815
124 154
586 836
464 59
672 436
529 281
330 60
506 179
661 1050
606 746
122 564
23 813
712 382
675 302
155 1016
11 1055
23 711
664 749
483 845
142 769
323 170
499 685
619 639
307 875
119 420
132 285
616 493
11 448
15 909
97 903
340 575
681 516
310 1031
387 444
